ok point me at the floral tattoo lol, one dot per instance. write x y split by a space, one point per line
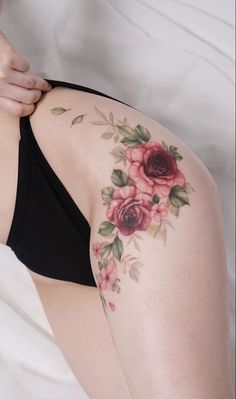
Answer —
144 191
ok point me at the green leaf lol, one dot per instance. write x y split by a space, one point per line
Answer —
173 149
165 145
119 178
127 132
107 193
78 119
104 303
142 133
131 143
119 154
100 265
178 157
106 228
106 250
59 110
174 152
178 196
117 248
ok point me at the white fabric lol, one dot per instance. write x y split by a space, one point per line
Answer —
173 60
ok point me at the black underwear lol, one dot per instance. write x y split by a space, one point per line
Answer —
49 233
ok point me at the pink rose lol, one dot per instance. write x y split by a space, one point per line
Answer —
154 169
129 210
158 211
107 276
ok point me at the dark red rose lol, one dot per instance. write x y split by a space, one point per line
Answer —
153 169
129 210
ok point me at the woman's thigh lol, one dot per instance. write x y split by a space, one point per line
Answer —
89 142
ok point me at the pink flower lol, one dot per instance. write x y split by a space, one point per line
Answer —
130 211
112 306
97 249
158 211
107 276
153 169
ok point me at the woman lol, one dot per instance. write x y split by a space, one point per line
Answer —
97 181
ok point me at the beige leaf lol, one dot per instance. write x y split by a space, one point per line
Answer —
136 245
134 274
173 209
100 123
107 135
189 189
78 119
116 138
137 264
153 229
158 231
166 221
59 110
129 240
102 115
111 117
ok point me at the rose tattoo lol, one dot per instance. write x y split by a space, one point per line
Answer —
140 198
143 193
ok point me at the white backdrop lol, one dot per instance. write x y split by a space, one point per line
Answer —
173 60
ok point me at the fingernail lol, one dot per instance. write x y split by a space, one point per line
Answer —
46 86
49 87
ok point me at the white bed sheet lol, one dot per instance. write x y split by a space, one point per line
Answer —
173 60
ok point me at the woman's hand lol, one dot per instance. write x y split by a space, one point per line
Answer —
19 90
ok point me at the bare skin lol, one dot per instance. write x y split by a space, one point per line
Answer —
177 330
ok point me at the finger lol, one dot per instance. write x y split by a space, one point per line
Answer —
15 108
10 57
28 81
16 61
20 94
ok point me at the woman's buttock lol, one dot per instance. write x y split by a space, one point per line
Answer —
74 311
